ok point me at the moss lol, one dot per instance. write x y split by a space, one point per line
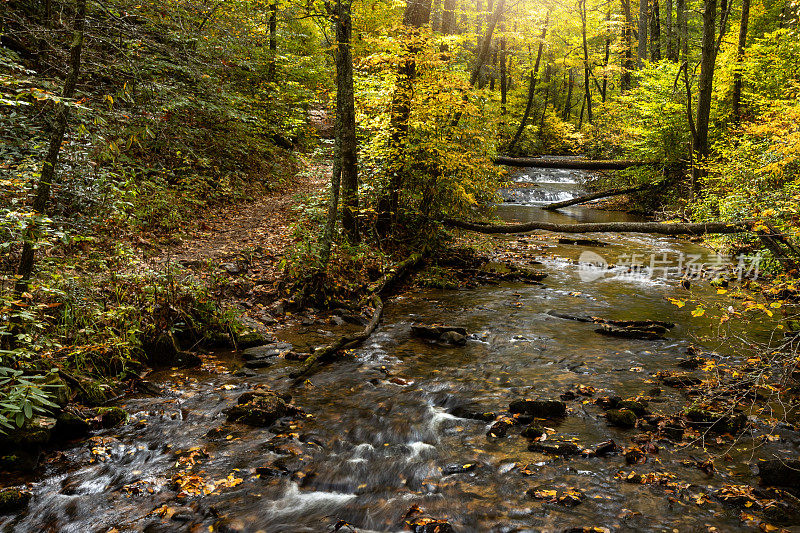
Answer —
94 393
112 416
624 418
12 500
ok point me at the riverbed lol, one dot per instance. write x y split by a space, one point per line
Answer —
379 441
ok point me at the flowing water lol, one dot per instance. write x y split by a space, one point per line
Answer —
369 449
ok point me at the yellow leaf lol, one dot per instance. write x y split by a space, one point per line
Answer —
679 303
698 311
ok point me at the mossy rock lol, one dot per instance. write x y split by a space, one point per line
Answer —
623 418
58 389
250 338
260 408
13 500
112 416
639 408
707 420
35 432
70 426
94 393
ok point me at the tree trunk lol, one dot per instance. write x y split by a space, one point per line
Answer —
583 164
531 87
705 86
586 71
503 84
683 228
483 54
641 51
546 81
436 15
604 89
345 106
273 41
737 73
50 165
416 15
627 62
568 104
655 32
672 46
683 28
449 17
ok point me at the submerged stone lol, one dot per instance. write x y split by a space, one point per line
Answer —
780 472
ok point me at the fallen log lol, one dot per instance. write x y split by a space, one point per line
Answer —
346 342
594 196
576 164
680 228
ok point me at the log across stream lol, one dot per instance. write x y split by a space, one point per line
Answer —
396 431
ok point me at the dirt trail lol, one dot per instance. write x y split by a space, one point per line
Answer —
260 229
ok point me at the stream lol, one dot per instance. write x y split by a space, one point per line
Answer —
380 436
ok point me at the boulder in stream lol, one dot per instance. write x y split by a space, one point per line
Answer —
555 448
623 418
707 420
13 500
446 335
629 333
260 408
429 525
539 408
780 472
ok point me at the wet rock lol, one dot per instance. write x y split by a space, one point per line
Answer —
435 331
164 350
606 448
453 338
472 413
13 500
565 316
296 356
706 420
272 471
539 408
70 426
36 432
681 381
260 408
638 407
21 460
568 396
555 448
673 432
571 498
533 431
266 350
112 416
780 472
245 373
338 321
500 428
587 529
629 333
429 525
635 456
250 338
623 418
94 393
692 363
608 402
458 468
581 242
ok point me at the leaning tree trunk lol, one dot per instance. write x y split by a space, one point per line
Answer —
586 70
641 51
531 88
50 165
737 73
705 85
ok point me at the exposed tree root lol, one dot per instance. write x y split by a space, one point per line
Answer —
346 342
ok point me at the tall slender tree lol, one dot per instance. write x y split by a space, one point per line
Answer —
49 173
586 66
641 51
737 73
705 85
531 87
